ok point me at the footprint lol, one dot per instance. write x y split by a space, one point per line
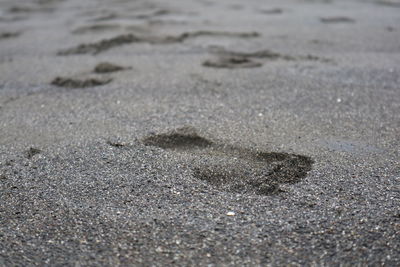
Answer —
152 14
104 27
109 16
194 34
116 143
232 59
69 82
230 168
106 67
390 29
272 11
232 62
20 9
102 45
262 54
185 138
106 44
31 8
333 20
96 28
7 35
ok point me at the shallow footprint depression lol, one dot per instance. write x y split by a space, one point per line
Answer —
230 168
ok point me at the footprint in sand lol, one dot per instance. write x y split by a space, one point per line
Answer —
27 8
97 78
124 39
96 28
233 60
8 35
74 83
21 9
272 11
335 20
106 67
110 27
230 168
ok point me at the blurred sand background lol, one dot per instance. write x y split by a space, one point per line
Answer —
211 133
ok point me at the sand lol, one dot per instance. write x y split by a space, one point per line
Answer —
205 133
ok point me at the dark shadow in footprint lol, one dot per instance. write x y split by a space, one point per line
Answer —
272 11
231 59
8 35
31 152
105 17
106 44
96 28
106 67
152 14
390 29
334 20
262 54
69 82
231 62
194 34
104 27
230 168
20 9
182 139
116 143
26 9
102 45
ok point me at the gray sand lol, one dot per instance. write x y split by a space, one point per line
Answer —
285 157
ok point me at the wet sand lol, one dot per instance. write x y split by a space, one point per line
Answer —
206 133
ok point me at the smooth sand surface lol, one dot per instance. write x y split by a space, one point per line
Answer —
205 133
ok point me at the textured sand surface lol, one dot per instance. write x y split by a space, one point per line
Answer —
211 133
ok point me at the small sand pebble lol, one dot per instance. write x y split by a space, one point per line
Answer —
230 213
